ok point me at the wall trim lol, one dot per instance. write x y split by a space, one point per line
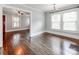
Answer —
67 35
32 35
16 30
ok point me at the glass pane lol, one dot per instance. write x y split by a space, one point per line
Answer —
27 21
69 26
14 25
72 16
55 25
17 25
15 21
56 18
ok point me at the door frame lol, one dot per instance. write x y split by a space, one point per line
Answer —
16 8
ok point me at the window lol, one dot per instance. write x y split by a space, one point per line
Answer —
69 21
27 21
15 22
56 21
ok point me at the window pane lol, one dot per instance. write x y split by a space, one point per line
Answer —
15 25
69 20
56 25
56 21
56 18
69 26
27 21
15 21
72 16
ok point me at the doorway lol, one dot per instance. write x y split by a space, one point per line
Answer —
16 30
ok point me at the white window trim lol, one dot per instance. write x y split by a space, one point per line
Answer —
13 22
69 21
60 21
62 12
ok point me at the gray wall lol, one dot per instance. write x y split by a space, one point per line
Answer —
61 32
37 25
1 33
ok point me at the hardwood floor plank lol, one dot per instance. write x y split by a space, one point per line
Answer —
16 43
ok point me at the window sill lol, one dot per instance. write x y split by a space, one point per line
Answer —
67 31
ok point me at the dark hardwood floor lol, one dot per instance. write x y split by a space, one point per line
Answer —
13 44
44 44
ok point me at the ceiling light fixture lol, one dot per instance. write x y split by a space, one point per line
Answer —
20 13
53 8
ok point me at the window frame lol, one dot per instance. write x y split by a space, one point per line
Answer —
55 21
15 22
69 21
61 28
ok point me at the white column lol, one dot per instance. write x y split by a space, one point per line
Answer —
1 31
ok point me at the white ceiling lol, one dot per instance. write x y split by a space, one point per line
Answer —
13 11
48 7
41 7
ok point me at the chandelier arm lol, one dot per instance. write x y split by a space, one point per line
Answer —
54 7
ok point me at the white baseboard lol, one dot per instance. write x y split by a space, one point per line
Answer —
32 35
64 34
16 30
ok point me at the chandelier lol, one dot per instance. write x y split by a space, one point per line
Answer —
19 12
53 8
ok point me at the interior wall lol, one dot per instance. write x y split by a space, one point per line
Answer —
1 33
61 32
37 25
37 19
8 22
